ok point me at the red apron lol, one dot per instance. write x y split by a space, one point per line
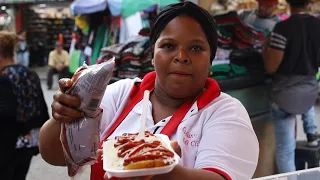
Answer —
136 95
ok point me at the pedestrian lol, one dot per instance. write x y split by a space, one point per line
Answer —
263 18
59 64
23 49
293 55
22 112
212 128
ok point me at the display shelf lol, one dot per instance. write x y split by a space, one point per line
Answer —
44 27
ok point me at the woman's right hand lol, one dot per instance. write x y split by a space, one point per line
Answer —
64 106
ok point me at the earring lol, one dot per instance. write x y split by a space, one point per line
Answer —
152 62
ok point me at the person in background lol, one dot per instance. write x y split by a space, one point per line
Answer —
23 49
293 55
22 112
59 64
263 18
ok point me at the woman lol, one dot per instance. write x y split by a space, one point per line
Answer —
22 112
213 129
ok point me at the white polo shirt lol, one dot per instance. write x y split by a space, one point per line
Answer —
219 137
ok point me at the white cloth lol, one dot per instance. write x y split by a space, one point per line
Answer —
130 27
220 136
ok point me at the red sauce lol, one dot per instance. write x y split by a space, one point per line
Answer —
135 151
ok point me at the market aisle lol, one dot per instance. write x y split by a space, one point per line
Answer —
40 170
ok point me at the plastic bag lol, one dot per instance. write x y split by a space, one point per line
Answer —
80 139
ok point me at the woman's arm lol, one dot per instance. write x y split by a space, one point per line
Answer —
184 173
49 143
63 110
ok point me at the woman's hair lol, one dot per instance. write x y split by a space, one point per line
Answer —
298 3
186 9
8 42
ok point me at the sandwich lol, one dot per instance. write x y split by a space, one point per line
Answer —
127 153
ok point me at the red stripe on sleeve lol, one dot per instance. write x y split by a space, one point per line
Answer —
220 172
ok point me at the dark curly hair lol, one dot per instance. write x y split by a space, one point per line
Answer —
8 43
298 3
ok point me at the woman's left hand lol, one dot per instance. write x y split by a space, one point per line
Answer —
175 146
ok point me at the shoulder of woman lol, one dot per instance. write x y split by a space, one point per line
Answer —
226 106
121 87
124 84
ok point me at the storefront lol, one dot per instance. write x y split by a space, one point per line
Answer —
44 21
46 24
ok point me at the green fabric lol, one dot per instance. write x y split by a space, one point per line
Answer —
221 29
74 61
318 76
130 7
106 38
98 43
86 30
225 71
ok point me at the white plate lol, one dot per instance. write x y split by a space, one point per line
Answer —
138 172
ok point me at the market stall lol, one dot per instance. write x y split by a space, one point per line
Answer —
114 28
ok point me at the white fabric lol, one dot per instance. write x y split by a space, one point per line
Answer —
219 136
130 27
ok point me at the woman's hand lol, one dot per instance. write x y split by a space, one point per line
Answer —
64 105
175 146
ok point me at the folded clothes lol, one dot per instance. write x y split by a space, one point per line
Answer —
133 58
233 33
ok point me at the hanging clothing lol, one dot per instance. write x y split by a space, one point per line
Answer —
130 27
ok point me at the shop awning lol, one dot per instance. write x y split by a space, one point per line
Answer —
88 7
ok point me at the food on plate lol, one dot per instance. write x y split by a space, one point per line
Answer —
127 153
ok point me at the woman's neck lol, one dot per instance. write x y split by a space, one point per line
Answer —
168 101
6 62
165 100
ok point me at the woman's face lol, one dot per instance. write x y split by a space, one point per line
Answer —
182 58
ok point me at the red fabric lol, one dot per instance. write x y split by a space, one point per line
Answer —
268 2
136 95
220 172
